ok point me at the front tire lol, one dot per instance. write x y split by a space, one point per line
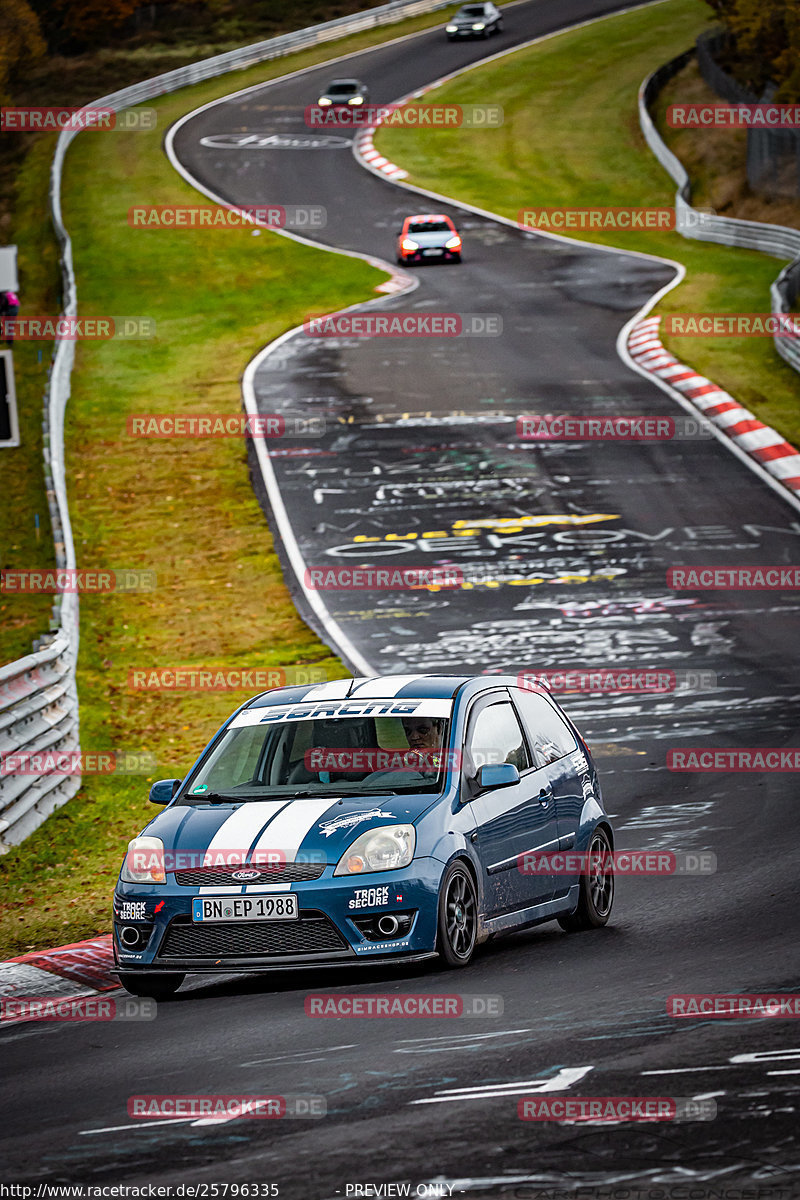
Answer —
457 927
151 984
596 888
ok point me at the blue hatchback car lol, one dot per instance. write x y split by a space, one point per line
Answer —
366 820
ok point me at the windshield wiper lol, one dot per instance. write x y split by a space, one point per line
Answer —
211 797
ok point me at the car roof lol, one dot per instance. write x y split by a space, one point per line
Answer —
376 687
430 217
349 82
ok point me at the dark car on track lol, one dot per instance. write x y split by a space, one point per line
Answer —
383 820
350 93
474 20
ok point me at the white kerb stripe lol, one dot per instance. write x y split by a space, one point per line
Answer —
784 468
758 439
732 417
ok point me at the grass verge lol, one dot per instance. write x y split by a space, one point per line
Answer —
571 139
182 508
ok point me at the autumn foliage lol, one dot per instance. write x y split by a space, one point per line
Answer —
21 45
764 44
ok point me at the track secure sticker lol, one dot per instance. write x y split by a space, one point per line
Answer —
132 910
369 897
329 827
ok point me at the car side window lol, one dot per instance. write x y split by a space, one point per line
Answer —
549 735
496 736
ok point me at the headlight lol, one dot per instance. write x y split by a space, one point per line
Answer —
324 101
356 100
479 26
454 243
384 849
144 862
409 244
451 28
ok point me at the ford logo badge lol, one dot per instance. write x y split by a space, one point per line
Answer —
245 876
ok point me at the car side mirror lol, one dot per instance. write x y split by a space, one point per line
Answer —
163 790
495 775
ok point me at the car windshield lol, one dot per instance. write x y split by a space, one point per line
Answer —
342 89
264 754
472 10
429 227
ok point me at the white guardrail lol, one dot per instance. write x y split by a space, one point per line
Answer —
38 694
777 240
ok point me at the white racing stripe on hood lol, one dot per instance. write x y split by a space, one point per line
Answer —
286 833
238 832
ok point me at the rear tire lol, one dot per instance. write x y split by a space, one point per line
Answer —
151 984
596 888
457 926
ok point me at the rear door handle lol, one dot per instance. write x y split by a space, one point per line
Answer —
545 795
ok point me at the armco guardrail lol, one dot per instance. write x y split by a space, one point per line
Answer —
38 713
38 695
778 240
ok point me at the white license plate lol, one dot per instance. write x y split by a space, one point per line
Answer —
245 908
432 252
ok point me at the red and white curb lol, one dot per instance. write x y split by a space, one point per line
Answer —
765 445
366 151
66 972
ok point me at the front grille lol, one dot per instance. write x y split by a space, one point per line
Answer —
312 933
289 872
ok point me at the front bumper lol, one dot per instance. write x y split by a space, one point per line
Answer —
324 935
429 254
